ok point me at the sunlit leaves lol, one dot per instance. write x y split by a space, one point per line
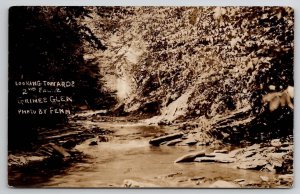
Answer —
215 51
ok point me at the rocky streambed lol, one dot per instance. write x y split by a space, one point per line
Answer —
105 152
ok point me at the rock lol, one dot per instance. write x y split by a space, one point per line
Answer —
205 159
69 144
239 180
249 153
157 141
268 168
190 157
184 137
103 138
276 143
223 184
286 144
174 174
286 149
21 161
164 122
35 159
221 151
197 178
191 141
92 143
286 177
253 147
253 164
211 155
234 153
220 158
264 178
16 160
276 159
52 149
173 142
136 184
287 164
202 143
188 140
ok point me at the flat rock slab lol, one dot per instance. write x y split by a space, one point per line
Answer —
173 142
190 157
157 141
221 151
254 165
216 159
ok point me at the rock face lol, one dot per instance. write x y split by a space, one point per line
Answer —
190 157
157 141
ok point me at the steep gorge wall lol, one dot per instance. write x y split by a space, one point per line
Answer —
187 63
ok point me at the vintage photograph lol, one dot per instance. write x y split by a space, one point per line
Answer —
150 97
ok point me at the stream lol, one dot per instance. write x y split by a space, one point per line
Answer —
128 157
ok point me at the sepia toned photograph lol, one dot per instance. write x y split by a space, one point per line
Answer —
150 97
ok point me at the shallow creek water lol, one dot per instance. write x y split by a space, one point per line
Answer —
128 156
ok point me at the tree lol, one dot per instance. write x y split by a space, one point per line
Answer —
49 43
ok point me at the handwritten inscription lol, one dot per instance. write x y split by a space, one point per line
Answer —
42 97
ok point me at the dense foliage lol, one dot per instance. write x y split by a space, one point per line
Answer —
48 43
201 62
